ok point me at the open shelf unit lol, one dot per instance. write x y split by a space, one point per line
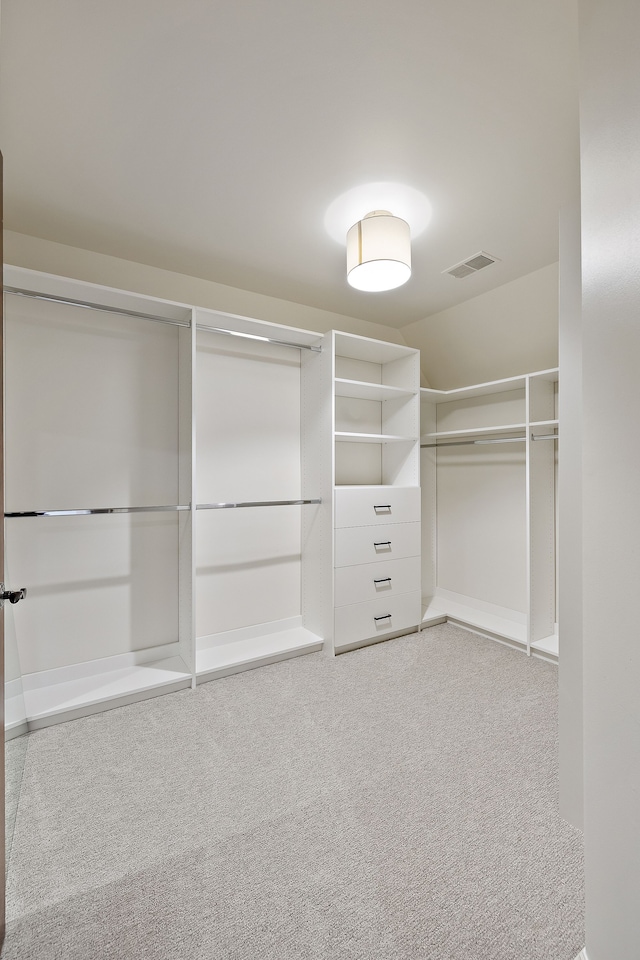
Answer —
489 514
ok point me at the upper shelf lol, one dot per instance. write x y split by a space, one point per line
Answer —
483 389
373 438
362 390
475 431
544 423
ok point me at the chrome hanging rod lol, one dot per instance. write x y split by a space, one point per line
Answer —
462 443
254 503
92 511
88 305
254 336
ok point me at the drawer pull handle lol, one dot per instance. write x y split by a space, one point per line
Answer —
382 506
383 543
383 580
387 616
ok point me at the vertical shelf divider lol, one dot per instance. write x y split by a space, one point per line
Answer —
186 494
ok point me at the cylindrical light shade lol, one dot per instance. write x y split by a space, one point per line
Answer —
378 252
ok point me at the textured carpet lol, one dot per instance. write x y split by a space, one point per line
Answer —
396 803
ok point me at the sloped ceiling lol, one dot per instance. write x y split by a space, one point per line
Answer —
210 138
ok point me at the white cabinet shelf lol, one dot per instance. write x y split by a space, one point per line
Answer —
66 693
248 648
474 616
475 431
344 437
363 390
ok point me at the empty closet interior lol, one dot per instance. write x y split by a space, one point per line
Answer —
190 494
162 496
258 497
489 503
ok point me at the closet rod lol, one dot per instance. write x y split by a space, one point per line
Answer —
254 503
462 443
254 336
90 512
88 305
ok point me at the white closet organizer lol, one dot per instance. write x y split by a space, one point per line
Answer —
375 473
98 483
489 515
259 510
105 462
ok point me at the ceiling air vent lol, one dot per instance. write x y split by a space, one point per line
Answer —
477 262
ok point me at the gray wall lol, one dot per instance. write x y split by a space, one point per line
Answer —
610 161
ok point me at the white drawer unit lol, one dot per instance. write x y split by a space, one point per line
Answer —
373 581
374 619
361 506
376 489
389 541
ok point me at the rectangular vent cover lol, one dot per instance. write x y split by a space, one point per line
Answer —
477 262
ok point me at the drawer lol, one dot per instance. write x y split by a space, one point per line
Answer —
370 581
357 621
390 541
358 507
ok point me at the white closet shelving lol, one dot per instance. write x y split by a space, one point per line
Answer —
191 494
102 463
488 489
255 453
374 480
98 416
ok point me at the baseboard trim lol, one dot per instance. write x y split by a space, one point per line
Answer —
582 955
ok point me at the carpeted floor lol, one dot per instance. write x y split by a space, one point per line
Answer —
396 803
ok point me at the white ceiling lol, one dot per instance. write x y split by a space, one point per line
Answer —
209 137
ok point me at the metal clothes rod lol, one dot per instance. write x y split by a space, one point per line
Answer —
462 443
254 336
88 305
92 511
254 503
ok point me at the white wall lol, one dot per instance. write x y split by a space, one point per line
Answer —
610 159
503 333
57 258
570 594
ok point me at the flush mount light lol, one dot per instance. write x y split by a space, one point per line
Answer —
378 252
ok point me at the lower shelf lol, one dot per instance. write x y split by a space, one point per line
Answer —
221 655
483 617
489 620
55 696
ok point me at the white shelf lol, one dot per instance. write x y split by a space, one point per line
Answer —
372 438
354 347
437 609
544 423
548 645
475 431
363 390
476 390
214 660
110 685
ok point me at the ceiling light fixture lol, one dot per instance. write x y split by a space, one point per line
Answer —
378 252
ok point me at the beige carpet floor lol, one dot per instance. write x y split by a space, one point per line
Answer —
396 803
